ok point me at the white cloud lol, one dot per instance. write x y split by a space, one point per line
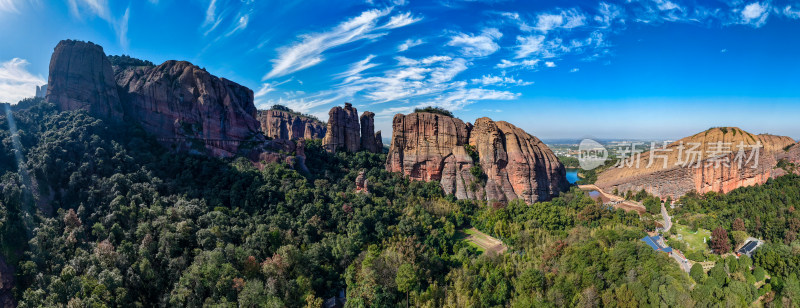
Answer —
529 64
789 12
550 64
309 51
477 45
487 80
566 19
241 24
574 70
409 43
16 82
527 45
513 16
358 67
9 6
755 14
100 8
608 14
724 50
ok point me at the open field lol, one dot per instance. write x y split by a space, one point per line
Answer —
482 241
693 240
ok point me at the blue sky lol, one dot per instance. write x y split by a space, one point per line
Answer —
558 69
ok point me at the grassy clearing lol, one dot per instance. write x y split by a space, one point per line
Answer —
481 241
693 240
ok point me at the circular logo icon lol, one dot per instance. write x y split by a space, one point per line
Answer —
591 154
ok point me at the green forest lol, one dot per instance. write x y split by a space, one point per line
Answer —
102 216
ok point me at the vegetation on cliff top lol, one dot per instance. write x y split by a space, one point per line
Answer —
436 110
125 61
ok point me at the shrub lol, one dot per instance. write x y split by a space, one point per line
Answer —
436 110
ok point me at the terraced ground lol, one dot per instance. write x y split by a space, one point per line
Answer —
483 242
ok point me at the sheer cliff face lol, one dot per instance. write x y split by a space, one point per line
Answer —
81 78
717 170
279 124
184 106
179 100
431 147
346 131
517 165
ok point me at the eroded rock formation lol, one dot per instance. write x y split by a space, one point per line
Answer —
184 106
713 166
512 163
517 165
346 131
343 130
81 78
370 140
278 124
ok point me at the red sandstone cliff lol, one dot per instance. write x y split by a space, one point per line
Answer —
184 106
346 131
81 78
278 124
431 147
718 170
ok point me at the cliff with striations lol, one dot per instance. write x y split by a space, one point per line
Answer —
346 131
512 163
279 124
183 106
713 166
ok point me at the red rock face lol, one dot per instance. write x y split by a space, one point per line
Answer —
370 141
421 142
718 175
279 124
516 164
179 100
184 106
81 78
430 147
343 130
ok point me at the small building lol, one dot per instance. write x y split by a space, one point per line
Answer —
749 247
657 243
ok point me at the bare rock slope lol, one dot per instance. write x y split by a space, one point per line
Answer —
713 166
512 163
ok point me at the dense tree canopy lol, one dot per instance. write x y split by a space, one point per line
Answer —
104 216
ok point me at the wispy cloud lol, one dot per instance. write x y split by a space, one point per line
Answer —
550 64
309 51
791 13
477 45
755 14
574 70
16 82
527 45
358 67
566 19
100 9
488 80
409 43
529 64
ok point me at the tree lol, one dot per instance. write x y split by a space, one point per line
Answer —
759 273
738 224
697 273
719 241
406 279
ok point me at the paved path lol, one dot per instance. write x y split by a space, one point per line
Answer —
616 201
667 219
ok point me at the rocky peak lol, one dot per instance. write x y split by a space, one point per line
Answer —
370 141
183 106
81 78
343 131
513 164
279 124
